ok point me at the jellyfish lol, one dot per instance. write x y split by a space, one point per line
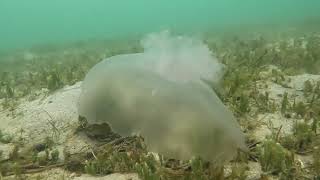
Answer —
165 95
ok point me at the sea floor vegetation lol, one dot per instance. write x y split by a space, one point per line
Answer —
271 84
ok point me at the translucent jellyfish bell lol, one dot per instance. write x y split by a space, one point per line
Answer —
160 95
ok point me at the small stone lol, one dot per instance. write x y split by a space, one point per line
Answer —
39 147
287 115
73 175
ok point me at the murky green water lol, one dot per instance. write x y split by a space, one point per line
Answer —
261 57
25 23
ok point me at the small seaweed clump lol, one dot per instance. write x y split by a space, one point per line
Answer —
275 159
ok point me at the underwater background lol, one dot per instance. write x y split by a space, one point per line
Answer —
26 23
261 59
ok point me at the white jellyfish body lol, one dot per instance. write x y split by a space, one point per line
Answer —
179 116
